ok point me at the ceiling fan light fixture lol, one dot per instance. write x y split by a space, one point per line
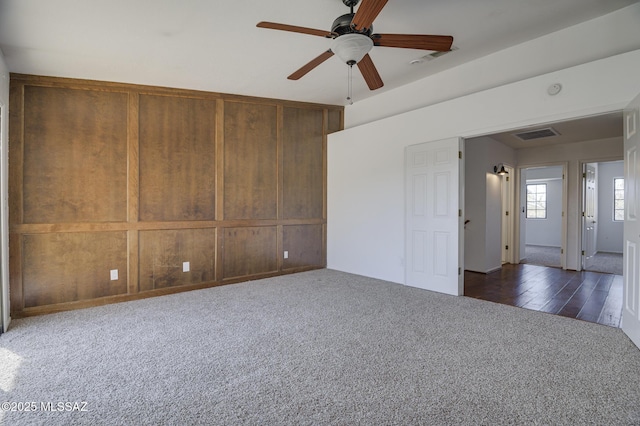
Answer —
351 48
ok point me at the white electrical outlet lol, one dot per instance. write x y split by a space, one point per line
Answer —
286 254
114 274
185 267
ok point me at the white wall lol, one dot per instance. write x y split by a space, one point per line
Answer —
4 191
366 168
482 250
546 232
608 35
610 233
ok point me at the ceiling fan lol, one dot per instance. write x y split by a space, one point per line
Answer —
353 38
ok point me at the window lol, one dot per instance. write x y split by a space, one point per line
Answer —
618 199
537 201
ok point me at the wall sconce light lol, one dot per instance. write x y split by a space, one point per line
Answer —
499 170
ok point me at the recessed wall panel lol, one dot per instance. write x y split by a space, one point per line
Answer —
250 251
335 121
303 244
75 155
250 161
303 163
69 267
177 158
163 254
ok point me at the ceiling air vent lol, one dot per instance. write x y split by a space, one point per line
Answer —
537 134
434 55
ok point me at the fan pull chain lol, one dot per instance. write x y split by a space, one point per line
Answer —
350 85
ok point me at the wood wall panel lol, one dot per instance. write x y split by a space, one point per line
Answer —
250 251
335 121
66 133
141 179
177 158
303 181
70 267
304 244
163 252
250 161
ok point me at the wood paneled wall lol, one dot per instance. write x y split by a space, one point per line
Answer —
110 178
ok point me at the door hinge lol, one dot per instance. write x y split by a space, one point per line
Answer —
583 253
561 251
582 214
506 213
507 178
459 270
460 155
584 175
506 247
459 213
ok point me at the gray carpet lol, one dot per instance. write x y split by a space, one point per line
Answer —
320 347
542 255
608 263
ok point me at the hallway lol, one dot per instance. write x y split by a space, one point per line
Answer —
588 296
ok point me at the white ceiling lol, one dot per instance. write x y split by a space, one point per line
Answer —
214 45
599 127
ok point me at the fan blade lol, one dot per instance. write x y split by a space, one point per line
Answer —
370 73
367 13
414 41
294 29
311 65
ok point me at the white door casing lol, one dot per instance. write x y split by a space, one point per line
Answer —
631 249
507 216
433 214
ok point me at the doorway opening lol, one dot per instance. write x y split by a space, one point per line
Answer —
560 155
602 216
542 201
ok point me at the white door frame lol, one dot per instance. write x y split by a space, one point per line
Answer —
581 165
509 210
519 195
549 120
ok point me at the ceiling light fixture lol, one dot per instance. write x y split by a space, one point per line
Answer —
351 48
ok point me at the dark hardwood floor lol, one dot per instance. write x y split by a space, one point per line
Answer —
588 296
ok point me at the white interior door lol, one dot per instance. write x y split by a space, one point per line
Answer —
631 297
434 216
589 216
